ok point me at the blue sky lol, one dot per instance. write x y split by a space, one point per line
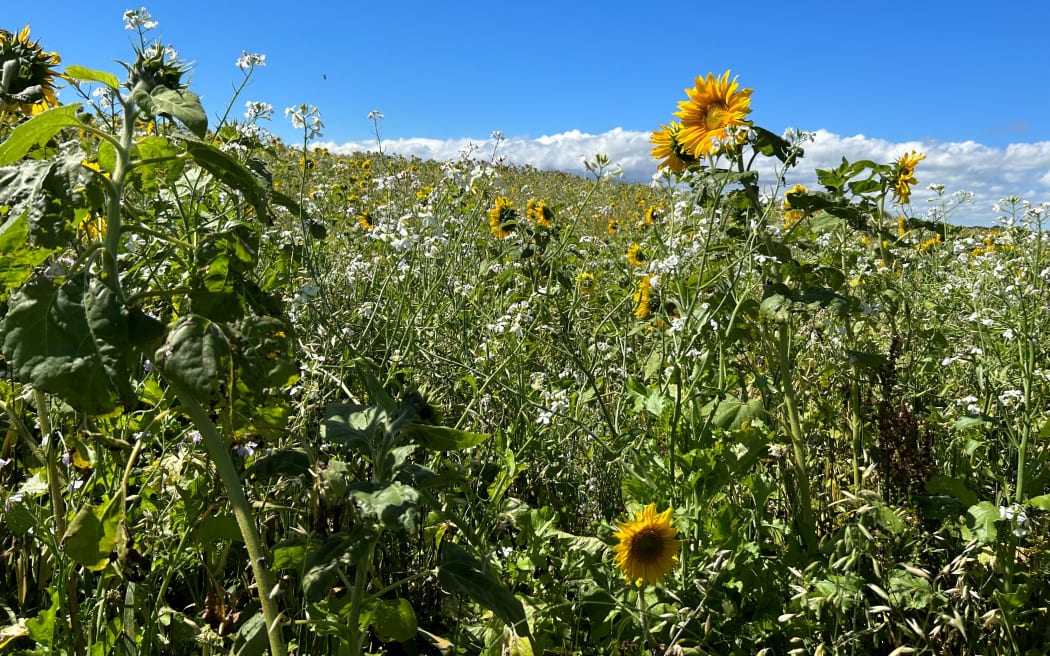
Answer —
966 82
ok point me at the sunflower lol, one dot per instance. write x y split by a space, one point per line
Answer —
636 256
642 298
714 106
668 148
905 176
792 216
32 87
538 212
586 283
647 550
503 218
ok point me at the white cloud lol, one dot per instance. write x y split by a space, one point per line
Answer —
990 173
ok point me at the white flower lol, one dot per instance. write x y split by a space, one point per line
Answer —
248 61
138 19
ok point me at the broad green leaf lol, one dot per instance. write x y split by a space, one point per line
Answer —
394 620
460 572
952 487
92 535
287 462
70 341
49 194
1041 502
393 504
19 520
20 258
441 438
36 131
182 104
773 145
731 413
985 514
251 638
196 357
289 554
230 172
265 360
215 528
323 562
352 425
42 627
89 75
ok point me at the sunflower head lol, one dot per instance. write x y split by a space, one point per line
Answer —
904 176
667 148
156 66
647 548
715 107
503 218
27 83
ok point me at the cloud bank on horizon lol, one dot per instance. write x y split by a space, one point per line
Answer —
990 174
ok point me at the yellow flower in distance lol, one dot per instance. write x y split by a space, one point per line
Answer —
32 89
792 216
636 256
538 212
905 176
647 550
642 297
667 148
714 106
586 283
503 218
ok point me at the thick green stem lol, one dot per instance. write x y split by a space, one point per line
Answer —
220 455
364 565
801 479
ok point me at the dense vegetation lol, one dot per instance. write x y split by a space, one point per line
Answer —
260 396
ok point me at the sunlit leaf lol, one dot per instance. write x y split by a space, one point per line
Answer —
393 504
394 620
89 75
183 105
92 535
71 341
37 131
441 438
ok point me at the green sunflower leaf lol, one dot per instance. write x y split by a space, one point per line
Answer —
182 104
461 572
36 131
89 75
71 341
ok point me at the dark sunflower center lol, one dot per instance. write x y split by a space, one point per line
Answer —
648 545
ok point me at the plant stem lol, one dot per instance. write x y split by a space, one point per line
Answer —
801 482
220 455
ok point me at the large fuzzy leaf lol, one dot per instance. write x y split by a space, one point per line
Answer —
196 357
71 341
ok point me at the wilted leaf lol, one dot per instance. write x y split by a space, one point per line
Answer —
182 104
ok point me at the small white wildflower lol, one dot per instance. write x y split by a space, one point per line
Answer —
248 61
138 19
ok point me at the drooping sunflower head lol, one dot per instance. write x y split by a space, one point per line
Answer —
715 106
904 176
27 84
667 147
647 550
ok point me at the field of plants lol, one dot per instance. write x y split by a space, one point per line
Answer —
257 397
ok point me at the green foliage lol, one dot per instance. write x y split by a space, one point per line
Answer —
226 355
